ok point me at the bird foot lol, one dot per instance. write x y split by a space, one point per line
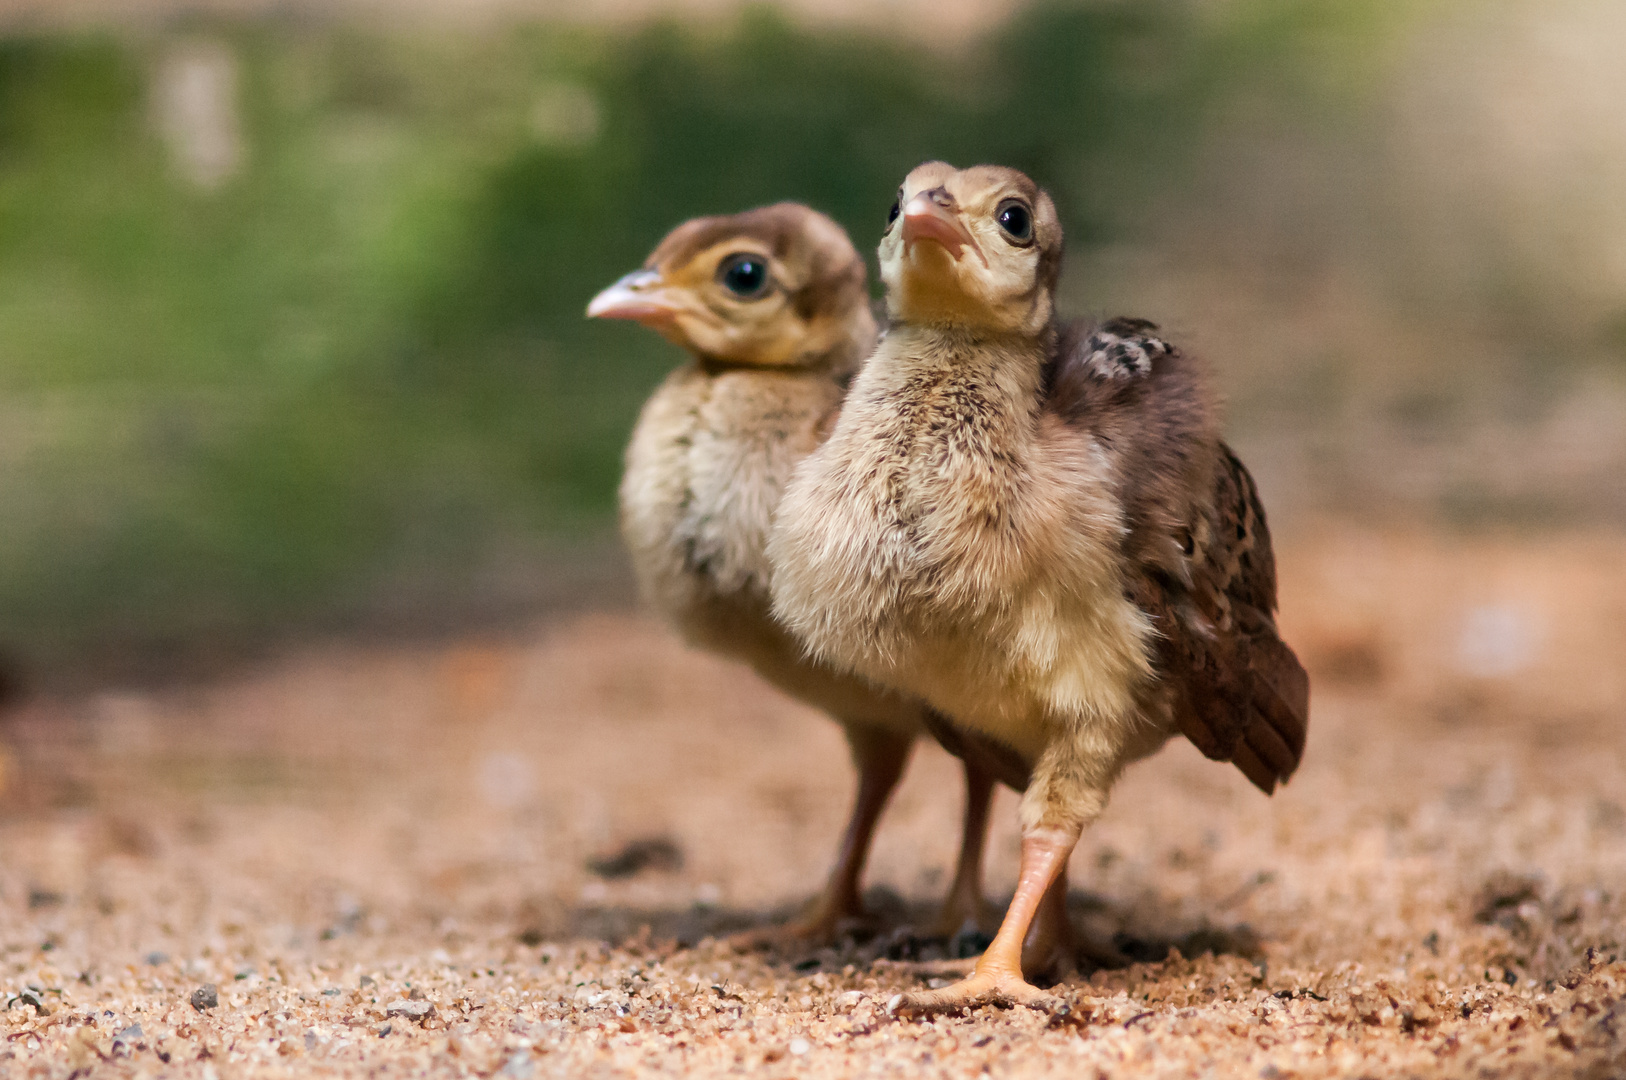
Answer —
965 938
1052 965
967 919
1000 989
959 968
818 928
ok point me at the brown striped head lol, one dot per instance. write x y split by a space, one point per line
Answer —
976 248
776 287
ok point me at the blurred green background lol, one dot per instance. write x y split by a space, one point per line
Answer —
291 333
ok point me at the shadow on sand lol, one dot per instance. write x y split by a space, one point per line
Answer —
890 933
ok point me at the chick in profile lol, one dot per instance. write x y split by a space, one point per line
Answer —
772 307
1037 529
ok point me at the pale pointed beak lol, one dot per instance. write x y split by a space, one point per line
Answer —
641 297
925 219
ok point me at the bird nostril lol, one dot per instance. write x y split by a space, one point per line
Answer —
941 197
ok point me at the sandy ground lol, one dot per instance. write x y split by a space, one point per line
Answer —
375 861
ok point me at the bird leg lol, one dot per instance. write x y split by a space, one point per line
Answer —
1054 947
997 978
1049 950
963 906
880 757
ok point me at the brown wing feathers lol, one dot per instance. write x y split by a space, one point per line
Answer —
1240 692
1198 546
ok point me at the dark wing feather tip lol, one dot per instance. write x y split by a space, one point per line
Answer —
1263 777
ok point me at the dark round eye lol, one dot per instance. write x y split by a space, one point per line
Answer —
892 214
1017 221
744 275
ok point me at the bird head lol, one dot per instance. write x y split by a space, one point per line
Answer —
977 248
776 287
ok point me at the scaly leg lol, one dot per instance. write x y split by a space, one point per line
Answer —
1050 949
1054 947
964 904
997 978
880 757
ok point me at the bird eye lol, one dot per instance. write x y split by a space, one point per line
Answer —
744 275
896 209
1016 220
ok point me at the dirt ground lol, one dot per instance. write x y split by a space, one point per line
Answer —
376 860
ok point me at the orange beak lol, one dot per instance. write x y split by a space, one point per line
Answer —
640 297
925 218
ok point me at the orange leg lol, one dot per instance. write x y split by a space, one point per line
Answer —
964 902
997 978
880 757
1050 947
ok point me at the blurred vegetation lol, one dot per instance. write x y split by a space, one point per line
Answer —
351 380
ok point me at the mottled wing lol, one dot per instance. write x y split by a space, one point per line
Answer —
1197 546
1239 692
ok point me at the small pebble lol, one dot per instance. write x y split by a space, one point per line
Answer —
411 1010
366 981
799 1047
850 998
156 958
39 898
383 1031
206 996
332 991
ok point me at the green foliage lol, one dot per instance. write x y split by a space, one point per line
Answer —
363 357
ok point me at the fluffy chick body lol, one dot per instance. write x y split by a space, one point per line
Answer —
707 464
1038 531
968 552
772 307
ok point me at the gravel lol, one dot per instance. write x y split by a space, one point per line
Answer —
1440 892
410 1010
